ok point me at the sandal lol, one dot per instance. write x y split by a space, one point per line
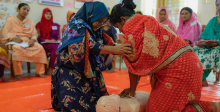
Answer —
17 77
41 75
5 79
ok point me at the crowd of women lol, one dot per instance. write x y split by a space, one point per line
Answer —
152 47
43 40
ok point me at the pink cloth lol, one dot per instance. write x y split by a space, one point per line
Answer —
167 22
190 30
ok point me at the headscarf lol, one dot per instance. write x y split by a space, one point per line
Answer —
88 13
69 14
45 25
79 30
168 22
191 30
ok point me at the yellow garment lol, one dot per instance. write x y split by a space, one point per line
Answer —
4 58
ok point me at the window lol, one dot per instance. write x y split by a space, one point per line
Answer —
149 7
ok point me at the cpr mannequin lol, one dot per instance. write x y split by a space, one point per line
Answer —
114 103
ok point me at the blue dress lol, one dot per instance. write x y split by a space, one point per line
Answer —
77 85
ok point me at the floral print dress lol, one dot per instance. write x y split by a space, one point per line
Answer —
71 89
209 56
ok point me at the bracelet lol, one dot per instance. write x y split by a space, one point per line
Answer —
130 95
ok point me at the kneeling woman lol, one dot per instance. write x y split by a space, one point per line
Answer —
77 81
175 70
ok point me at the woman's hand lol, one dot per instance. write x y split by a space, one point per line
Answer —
53 41
212 43
48 41
199 43
123 49
17 40
124 93
31 43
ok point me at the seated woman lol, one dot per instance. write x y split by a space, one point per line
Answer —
209 51
189 28
111 31
21 29
48 32
70 14
4 62
163 17
175 70
77 82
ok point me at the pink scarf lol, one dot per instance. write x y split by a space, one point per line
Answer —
167 22
191 30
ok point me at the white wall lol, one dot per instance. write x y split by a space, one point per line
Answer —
59 13
206 11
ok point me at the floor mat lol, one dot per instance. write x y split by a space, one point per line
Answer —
32 94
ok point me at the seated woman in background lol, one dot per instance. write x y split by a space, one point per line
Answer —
22 29
70 14
111 31
163 17
48 32
4 62
189 28
77 81
208 51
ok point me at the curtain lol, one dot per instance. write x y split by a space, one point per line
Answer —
149 7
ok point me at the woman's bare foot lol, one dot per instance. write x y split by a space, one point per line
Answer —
5 79
215 107
49 71
41 75
217 77
205 83
17 77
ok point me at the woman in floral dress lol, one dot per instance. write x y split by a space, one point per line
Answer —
77 81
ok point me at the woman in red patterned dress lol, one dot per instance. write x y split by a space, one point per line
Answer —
175 70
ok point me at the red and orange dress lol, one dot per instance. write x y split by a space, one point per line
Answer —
176 71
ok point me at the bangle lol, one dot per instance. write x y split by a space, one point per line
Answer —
130 95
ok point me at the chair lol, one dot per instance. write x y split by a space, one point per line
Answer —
120 41
9 49
203 27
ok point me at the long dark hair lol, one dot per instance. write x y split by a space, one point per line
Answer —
188 9
21 5
125 9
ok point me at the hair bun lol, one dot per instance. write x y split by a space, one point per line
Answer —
129 3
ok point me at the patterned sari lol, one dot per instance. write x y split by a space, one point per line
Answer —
175 70
77 82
